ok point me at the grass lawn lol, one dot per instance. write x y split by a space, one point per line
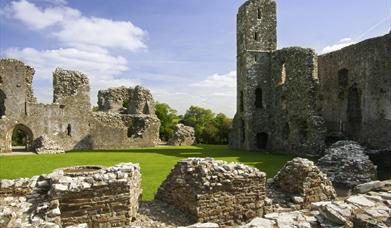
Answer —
155 163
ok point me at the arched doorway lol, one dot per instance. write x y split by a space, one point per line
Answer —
21 138
262 140
354 115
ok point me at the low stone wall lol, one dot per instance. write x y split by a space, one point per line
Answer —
96 196
17 187
215 191
303 182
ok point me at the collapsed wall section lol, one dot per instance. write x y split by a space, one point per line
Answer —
215 191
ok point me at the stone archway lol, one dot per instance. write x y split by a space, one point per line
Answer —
21 138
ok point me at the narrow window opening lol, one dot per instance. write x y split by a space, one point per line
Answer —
256 36
243 131
241 100
2 103
343 77
130 132
69 130
283 74
286 131
258 98
255 57
259 14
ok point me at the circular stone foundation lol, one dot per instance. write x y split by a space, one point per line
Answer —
81 170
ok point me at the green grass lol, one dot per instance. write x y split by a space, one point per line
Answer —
155 163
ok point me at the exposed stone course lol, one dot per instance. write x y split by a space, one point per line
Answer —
183 136
93 195
347 165
215 191
44 145
304 182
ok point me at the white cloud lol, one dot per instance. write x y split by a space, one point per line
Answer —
216 92
218 81
87 44
37 18
101 67
339 45
73 29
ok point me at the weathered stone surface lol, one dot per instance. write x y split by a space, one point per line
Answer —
370 186
126 100
304 181
183 136
259 222
215 191
347 165
44 145
93 195
293 100
69 120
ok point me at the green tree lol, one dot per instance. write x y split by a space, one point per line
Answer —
198 118
223 124
168 119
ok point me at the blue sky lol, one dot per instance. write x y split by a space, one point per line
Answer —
183 50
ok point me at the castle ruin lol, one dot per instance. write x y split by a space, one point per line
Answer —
295 101
125 117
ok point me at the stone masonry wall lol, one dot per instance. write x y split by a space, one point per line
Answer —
92 195
215 191
69 121
297 125
301 178
356 91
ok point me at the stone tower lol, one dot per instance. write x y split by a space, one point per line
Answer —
256 39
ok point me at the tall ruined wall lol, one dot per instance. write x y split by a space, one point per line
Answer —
15 86
356 91
69 121
257 26
297 126
256 37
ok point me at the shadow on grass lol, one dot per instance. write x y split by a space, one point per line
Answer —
263 160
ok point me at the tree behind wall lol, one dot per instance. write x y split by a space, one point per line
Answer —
168 119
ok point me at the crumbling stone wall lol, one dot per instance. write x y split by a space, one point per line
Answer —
183 136
92 195
69 121
286 104
297 125
215 191
114 99
347 165
137 100
301 178
356 91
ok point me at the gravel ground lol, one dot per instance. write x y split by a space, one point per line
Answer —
159 214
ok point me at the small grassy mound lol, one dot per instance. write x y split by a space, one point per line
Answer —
155 163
